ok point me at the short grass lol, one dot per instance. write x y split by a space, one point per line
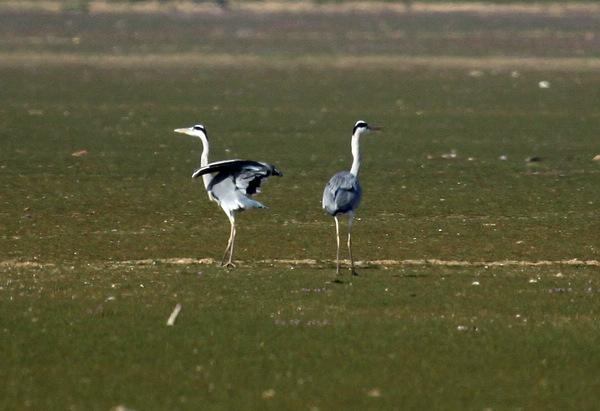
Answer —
82 337
95 250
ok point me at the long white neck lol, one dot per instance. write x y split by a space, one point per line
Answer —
204 158
356 156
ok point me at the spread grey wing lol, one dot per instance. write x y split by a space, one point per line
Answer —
230 166
249 180
247 174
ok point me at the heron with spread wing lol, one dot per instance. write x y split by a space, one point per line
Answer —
343 192
230 183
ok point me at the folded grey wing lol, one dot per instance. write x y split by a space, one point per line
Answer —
342 194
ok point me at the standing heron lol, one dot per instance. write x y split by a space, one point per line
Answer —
342 193
230 183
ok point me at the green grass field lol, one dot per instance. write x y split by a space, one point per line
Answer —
479 273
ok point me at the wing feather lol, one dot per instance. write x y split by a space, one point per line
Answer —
247 174
342 194
229 166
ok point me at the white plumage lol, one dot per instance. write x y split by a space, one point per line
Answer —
230 183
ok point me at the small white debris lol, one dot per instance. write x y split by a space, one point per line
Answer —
475 283
544 84
174 314
451 154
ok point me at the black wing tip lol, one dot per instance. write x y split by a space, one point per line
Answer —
236 164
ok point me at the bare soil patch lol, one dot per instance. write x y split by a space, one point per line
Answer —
312 263
557 8
337 62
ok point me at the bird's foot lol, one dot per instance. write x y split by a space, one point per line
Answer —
228 264
353 272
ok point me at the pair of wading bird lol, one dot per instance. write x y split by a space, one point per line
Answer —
231 183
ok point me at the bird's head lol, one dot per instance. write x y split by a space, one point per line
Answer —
196 131
363 127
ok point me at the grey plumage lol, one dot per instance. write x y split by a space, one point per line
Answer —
230 183
343 192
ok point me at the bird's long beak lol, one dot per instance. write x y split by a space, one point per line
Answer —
184 130
376 128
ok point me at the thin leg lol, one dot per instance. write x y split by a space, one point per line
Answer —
230 243
337 237
350 221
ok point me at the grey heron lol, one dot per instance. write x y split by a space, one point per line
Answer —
343 192
230 183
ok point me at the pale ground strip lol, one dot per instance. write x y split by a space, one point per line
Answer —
311 61
312 263
96 6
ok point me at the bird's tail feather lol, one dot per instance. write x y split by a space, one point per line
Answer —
248 202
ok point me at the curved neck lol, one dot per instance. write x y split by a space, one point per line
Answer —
204 158
356 156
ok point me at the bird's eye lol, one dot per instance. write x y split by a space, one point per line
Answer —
198 127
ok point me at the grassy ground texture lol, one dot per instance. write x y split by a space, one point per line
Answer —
477 237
